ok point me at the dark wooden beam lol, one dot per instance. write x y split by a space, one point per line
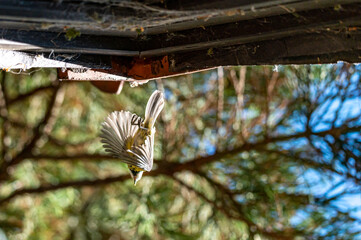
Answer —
240 32
313 48
152 17
44 41
304 49
323 32
247 31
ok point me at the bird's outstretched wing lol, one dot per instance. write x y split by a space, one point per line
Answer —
144 152
116 132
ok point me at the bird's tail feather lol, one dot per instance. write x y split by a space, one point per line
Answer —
154 107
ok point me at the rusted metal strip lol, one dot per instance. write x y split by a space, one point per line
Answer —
143 68
123 69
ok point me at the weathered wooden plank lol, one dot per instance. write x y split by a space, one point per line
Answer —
242 32
127 18
275 27
43 41
304 49
324 47
237 33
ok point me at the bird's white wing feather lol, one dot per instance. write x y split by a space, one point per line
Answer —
145 151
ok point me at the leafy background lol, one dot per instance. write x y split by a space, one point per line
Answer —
266 152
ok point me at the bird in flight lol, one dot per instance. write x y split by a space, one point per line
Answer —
130 138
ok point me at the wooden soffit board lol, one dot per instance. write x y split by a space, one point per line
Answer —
142 40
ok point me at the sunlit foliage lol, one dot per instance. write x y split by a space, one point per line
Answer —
241 153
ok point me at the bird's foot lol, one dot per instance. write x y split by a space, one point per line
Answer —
136 120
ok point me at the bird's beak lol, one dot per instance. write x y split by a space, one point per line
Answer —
136 176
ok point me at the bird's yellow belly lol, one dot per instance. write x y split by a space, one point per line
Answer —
135 168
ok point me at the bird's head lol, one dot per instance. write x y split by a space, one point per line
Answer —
136 173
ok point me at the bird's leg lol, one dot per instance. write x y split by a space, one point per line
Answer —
133 120
136 120
143 128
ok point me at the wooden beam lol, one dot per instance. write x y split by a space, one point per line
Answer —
241 32
320 33
313 48
255 30
130 18
45 41
304 49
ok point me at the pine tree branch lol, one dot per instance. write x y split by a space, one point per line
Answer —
170 168
314 164
202 196
22 97
287 233
34 92
74 184
75 157
37 134
4 116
